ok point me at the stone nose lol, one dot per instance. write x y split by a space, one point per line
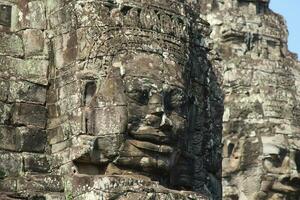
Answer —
295 179
159 121
155 105
156 112
165 123
292 180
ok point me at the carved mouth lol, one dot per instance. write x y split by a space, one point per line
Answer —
165 149
150 134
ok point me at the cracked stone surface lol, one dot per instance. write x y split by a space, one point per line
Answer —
260 80
108 99
124 99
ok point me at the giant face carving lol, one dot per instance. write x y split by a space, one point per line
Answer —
139 114
141 106
282 163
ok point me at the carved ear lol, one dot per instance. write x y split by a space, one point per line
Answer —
89 92
181 171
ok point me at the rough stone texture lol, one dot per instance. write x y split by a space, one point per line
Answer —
118 100
107 100
260 79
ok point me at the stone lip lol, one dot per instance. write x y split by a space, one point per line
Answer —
131 187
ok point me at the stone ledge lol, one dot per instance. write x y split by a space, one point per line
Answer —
83 187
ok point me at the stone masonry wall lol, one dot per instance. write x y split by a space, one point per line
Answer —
56 54
24 62
107 100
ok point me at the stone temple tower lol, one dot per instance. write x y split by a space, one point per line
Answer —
107 99
260 79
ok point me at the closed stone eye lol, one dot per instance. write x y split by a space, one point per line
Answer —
174 100
139 96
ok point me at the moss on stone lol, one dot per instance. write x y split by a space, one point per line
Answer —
2 174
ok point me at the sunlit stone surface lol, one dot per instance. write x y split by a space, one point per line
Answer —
108 100
260 80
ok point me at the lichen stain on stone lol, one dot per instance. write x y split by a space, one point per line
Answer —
124 99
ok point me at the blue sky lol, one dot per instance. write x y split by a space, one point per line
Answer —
290 9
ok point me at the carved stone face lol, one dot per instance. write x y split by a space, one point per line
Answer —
282 163
119 94
277 167
156 113
141 106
